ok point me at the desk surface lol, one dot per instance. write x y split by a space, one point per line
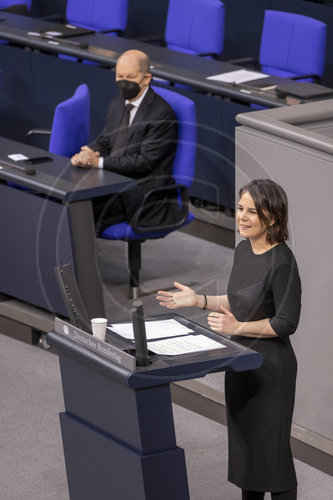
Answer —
58 178
167 64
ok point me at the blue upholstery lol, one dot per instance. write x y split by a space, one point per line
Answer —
71 123
123 231
98 14
292 45
183 173
70 127
195 26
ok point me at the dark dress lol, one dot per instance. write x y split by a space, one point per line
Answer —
260 402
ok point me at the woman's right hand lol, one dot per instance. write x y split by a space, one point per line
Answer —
172 300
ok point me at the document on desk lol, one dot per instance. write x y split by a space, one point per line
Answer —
154 329
184 345
237 77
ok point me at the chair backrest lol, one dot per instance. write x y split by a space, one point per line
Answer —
98 14
195 26
292 45
71 123
184 109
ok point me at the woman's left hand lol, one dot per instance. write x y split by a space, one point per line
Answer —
224 322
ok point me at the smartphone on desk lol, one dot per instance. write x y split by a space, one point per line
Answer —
39 159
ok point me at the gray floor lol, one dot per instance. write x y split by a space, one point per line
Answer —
179 257
32 464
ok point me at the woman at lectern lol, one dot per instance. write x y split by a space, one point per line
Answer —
260 310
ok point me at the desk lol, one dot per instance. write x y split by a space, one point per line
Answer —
117 429
48 225
167 64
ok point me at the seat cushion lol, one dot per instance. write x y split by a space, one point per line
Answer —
123 231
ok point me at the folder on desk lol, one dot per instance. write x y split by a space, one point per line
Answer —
64 31
304 90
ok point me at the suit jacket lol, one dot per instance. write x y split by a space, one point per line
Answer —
147 156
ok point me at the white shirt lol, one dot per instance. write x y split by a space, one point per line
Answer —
133 112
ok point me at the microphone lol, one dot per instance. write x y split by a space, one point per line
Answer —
26 170
139 329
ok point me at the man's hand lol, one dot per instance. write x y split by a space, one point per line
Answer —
87 158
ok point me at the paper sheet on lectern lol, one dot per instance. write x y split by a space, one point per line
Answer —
184 345
154 329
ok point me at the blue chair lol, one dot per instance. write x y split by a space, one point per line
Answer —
183 173
71 124
100 15
195 27
292 46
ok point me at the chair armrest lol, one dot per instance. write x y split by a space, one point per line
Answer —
105 32
315 78
244 61
206 54
150 39
182 190
20 9
38 131
56 18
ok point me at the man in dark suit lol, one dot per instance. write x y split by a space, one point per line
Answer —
139 140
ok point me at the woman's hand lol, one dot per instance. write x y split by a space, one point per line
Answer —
172 300
224 322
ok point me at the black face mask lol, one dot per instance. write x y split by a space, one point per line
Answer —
128 89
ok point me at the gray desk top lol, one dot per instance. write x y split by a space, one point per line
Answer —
58 178
309 124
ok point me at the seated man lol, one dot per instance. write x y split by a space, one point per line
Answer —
139 140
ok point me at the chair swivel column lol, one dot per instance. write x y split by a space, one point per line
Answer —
134 266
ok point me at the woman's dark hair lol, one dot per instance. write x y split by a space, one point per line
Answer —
271 202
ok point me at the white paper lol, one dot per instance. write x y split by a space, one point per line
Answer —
17 157
238 76
154 329
183 345
53 33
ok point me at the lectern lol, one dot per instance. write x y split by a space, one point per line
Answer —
118 429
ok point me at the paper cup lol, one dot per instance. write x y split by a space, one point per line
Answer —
99 328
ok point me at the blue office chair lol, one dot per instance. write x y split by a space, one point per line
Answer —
183 173
292 46
195 27
104 16
100 15
71 124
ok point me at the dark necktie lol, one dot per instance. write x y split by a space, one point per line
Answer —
121 139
